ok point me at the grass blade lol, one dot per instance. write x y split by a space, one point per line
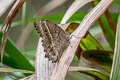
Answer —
115 74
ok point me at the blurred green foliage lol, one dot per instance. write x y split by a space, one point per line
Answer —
21 60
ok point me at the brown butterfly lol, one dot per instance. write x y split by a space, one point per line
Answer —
54 39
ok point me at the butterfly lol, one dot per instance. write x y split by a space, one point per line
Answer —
54 39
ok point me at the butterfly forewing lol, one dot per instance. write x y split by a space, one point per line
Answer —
55 39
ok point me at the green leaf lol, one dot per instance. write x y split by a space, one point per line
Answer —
55 17
100 75
15 58
89 43
116 2
115 74
108 31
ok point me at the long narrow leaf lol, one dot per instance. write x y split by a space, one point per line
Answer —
15 70
16 57
77 4
107 30
115 74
